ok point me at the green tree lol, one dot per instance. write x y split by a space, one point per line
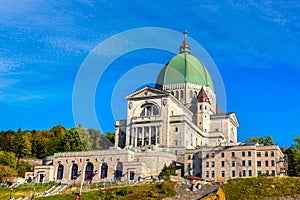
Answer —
265 140
8 159
293 154
167 171
6 172
22 144
95 139
23 167
110 136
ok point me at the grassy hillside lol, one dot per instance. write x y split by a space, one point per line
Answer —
22 191
261 188
146 191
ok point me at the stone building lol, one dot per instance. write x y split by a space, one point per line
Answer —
180 113
166 124
235 160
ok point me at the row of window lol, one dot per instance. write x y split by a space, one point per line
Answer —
249 154
266 163
233 163
243 173
266 172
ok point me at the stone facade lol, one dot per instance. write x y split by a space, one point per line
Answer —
235 160
107 165
167 124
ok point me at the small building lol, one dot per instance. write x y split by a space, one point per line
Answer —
235 160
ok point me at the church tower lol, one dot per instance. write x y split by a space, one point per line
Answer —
203 111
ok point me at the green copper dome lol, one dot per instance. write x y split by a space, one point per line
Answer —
183 68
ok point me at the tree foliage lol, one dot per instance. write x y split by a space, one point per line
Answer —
265 140
167 171
38 144
6 172
293 154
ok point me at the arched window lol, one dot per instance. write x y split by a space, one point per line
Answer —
104 169
177 94
89 172
74 172
60 172
119 170
181 94
149 110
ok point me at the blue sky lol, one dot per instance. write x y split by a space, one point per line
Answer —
255 45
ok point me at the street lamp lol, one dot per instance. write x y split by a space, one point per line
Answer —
10 197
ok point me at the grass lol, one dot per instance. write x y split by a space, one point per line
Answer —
23 190
136 192
261 188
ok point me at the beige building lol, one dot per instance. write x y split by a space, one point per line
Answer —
235 160
180 113
164 125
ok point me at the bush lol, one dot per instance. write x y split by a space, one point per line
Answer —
124 191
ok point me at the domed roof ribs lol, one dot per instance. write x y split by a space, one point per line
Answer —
202 96
185 47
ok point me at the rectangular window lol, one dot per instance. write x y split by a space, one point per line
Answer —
272 153
233 173
189 165
207 155
267 172
176 129
207 174
249 163
223 163
212 154
233 163
258 154
212 174
233 154
223 173
207 164
273 163
194 156
258 163
258 173
243 163
194 166
243 154
273 172
250 172
189 157
222 155
266 163
212 163
244 172
266 154
249 153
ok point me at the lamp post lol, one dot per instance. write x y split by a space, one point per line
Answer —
10 197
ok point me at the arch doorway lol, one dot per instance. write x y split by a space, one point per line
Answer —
104 169
60 172
89 172
74 172
119 170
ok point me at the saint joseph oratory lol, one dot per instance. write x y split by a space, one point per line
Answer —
180 113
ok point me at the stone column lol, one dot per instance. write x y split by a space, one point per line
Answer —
117 136
143 136
136 137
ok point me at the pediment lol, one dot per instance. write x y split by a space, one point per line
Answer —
147 92
234 119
